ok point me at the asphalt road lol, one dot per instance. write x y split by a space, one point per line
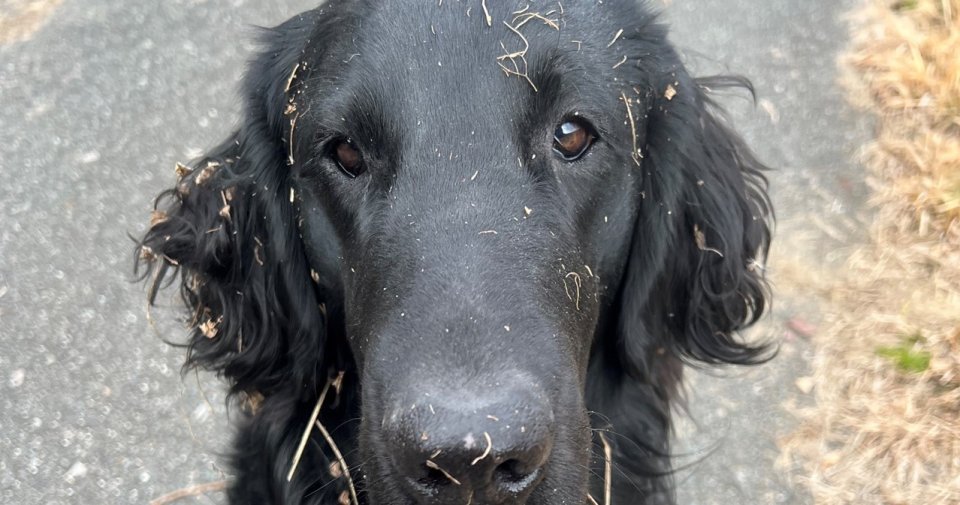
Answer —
100 101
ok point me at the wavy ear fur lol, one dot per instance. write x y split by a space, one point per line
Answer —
230 230
259 311
696 276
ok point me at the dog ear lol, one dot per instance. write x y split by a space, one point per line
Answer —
695 278
230 230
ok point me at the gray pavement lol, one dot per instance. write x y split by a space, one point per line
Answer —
97 105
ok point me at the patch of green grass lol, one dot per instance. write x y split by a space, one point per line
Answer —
905 5
906 356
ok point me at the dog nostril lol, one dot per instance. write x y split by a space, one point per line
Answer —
513 476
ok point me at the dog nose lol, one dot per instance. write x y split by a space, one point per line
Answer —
465 447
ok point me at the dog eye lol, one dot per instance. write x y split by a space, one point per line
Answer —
572 139
348 158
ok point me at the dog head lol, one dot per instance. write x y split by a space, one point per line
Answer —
493 219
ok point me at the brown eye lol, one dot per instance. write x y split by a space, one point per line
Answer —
348 158
571 140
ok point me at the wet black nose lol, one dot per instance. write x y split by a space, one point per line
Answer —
466 446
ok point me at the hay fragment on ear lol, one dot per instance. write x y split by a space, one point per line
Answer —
257 251
209 328
226 196
207 172
527 211
182 170
293 75
670 92
306 433
338 383
336 452
293 126
157 217
486 13
701 239
253 401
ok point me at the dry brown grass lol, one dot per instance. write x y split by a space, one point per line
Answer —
886 424
19 19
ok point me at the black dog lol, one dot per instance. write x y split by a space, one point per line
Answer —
484 235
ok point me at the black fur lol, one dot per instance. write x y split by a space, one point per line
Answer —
294 273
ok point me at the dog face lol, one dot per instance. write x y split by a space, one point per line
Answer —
481 224
494 219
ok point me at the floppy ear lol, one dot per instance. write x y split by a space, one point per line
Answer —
230 230
693 280
695 277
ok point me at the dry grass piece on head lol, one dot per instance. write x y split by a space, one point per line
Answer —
521 19
577 284
518 59
616 37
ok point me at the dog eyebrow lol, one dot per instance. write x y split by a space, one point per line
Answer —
358 108
566 86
